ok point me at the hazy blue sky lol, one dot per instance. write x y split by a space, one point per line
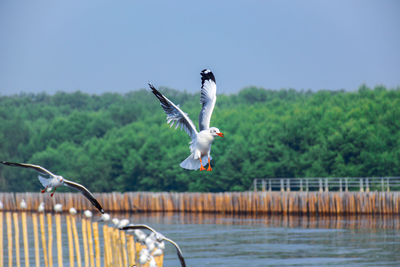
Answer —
97 46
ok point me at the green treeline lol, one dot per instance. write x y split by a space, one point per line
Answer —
114 142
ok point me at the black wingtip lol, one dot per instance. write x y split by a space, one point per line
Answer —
206 74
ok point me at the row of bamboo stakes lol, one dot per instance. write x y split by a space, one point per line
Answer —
111 248
229 202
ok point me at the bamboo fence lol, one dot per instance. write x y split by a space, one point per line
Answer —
293 202
106 246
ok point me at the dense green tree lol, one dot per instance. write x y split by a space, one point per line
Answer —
121 142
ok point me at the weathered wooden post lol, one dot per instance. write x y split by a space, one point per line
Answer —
287 185
1 237
347 184
307 185
361 185
269 185
382 185
320 186
387 185
340 185
366 185
301 185
282 186
9 239
255 185
50 234
263 185
16 227
326 185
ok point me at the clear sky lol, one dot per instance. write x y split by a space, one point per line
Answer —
101 46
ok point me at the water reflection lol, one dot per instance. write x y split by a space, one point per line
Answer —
291 221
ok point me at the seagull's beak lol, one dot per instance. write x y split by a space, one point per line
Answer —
221 134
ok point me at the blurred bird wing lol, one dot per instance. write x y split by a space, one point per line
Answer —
175 114
178 251
208 98
85 192
31 166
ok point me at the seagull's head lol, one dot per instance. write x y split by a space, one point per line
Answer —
215 132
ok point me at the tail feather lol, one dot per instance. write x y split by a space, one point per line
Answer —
190 163
44 181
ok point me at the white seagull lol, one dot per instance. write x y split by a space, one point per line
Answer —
159 237
200 145
57 180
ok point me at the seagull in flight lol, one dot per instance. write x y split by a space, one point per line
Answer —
200 145
159 237
55 181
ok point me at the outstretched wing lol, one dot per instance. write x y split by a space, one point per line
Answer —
175 114
144 226
207 98
178 251
85 192
31 166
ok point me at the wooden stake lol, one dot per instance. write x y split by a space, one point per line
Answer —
123 248
70 241
1 239
59 240
105 247
90 242
131 250
9 239
43 233
96 243
25 234
76 242
50 234
85 243
36 238
17 252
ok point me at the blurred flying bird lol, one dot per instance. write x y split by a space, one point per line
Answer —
22 204
159 237
41 207
200 145
72 211
55 181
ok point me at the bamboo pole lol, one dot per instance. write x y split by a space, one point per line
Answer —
76 241
50 234
36 238
25 236
43 233
123 248
85 242
97 243
70 241
1 239
9 239
90 242
16 235
59 240
131 250
106 247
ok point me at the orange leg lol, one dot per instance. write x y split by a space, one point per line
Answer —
53 191
201 166
209 165
44 190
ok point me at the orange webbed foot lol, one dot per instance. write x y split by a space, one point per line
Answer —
209 168
202 168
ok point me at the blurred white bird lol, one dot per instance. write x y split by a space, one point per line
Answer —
158 237
72 211
88 213
57 180
115 221
123 223
157 252
22 204
104 217
58 207
144 256
139 235
200 145
41 207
